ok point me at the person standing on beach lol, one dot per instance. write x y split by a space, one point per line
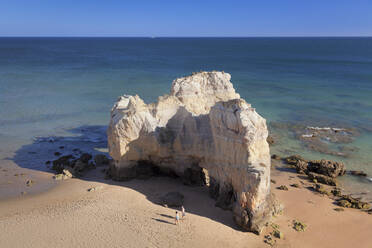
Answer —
177 219
183 212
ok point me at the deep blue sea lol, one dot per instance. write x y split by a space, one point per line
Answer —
65 87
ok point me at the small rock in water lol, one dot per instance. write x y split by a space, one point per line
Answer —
47 162
57 154
358 173
283 187
61 147
276 157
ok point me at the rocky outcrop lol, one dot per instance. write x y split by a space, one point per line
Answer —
69 166
327 167
204 133
324 171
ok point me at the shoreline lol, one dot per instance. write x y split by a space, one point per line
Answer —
129 211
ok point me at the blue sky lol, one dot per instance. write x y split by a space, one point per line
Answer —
185 18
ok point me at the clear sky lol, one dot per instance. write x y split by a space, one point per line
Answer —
185 18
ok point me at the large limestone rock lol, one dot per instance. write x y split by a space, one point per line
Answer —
204 133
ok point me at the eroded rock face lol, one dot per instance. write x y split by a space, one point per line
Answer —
204 132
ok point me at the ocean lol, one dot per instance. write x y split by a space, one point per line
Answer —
62 90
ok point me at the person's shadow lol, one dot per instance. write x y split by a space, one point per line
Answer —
93 140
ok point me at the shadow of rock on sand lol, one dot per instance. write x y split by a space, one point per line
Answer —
93 140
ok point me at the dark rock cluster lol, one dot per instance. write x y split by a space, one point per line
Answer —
68 166
324 172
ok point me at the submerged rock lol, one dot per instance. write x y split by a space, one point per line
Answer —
201 126
328 140
358 173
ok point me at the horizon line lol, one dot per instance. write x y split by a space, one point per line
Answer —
152 37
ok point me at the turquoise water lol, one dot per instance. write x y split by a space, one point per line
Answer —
49 86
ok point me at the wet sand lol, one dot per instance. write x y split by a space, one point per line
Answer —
126 214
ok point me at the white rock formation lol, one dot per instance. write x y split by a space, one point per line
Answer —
202 132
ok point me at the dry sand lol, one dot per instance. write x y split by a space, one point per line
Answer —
126 214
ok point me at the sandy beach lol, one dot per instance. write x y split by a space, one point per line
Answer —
127 214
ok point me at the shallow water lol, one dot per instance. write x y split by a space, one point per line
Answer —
49 86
